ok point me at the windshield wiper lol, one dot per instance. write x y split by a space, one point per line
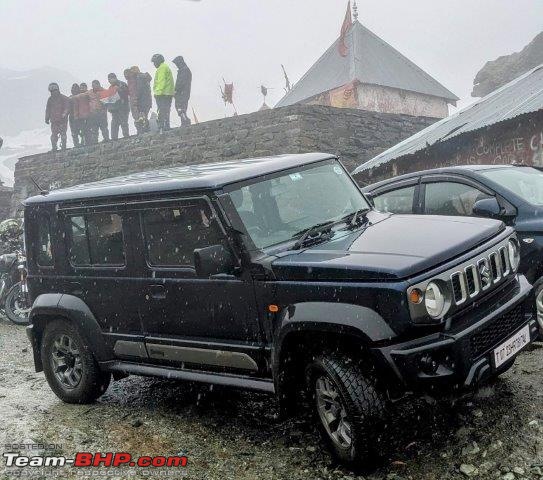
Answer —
311 231
353 219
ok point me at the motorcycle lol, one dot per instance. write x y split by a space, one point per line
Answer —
13 287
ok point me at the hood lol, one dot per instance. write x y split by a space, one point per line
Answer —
392 247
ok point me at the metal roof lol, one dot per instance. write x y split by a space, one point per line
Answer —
522 95
188 177
370 60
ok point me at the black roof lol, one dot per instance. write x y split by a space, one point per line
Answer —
444 170
187 177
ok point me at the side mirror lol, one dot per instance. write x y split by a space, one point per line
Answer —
213 260
487 207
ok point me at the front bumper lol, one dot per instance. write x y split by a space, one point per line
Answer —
461 356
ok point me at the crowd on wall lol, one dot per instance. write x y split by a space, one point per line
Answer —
86 110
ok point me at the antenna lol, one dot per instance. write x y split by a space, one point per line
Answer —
355 11
42 191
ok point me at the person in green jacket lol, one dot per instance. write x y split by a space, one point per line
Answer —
163 90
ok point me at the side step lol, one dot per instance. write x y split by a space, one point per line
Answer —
247 383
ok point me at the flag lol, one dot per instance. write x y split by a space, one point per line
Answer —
342 47
195 117
264 90
228 93
109 96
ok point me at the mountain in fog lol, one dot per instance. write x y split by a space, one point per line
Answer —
497 73
24 94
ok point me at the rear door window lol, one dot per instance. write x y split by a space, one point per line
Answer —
96 239
396 201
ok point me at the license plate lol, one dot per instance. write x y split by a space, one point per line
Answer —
511 346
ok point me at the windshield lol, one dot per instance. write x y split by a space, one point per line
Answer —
281 209
525 182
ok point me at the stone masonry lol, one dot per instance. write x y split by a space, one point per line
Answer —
355 135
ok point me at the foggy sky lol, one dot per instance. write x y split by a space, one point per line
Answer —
245 41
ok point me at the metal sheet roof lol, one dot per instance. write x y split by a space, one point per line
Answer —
522 95
187 177
370 60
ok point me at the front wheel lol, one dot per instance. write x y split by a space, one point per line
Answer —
349 408
69 365
17 306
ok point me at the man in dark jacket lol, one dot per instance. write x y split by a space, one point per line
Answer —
56 114
182 89
120 109
97 121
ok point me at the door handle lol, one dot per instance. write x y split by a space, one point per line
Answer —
158 292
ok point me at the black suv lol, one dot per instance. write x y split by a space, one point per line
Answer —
270 274
513 194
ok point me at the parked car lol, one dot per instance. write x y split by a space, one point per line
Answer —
275 275
513 194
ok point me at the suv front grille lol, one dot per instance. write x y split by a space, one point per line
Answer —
498 330
479 276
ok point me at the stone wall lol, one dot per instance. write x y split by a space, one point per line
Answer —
355 135
6 194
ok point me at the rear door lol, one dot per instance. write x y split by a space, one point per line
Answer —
204 323
100 270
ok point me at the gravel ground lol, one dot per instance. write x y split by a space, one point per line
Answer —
498 433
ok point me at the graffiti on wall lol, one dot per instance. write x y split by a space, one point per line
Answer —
521 149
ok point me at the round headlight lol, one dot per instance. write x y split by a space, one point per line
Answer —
514 254
434 300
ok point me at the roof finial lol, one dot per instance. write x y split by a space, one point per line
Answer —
355 11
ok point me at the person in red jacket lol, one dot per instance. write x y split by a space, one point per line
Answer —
74 120
56 114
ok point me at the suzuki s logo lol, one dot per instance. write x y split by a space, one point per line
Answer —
484 273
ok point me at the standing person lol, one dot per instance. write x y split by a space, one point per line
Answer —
163 89
183 85
144 100
97 115
120 108
140 98
56 114
74 120
83 106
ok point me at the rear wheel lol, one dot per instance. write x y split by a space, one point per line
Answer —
348 406
70 367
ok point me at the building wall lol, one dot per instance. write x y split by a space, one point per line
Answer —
5 202
516 141
355 135
391 100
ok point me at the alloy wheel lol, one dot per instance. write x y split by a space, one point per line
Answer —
332 412
66 361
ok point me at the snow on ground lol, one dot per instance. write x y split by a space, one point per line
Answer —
25 143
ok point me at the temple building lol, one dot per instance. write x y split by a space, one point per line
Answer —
360 70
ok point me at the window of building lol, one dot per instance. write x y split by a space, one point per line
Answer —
44 254
96 239
396 201
451 198
172 234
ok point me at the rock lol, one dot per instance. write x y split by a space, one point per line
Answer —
136 423
469 470
534 424
508 476
518 470
472 449
311 449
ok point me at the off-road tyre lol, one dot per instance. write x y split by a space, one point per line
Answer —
364 404
92 381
